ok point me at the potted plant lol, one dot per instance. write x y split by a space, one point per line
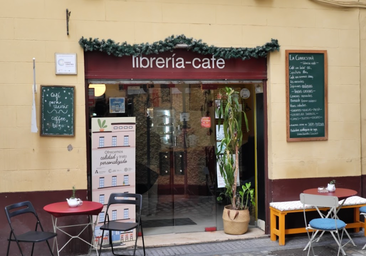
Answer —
331 186
236 216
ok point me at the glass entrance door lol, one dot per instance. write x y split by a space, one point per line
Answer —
185 187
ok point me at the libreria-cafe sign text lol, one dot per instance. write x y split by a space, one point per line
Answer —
175 62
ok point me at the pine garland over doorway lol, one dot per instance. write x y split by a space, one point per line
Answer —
170 43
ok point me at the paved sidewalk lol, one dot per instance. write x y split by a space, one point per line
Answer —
253 247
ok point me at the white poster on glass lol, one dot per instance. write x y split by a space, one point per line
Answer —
220 179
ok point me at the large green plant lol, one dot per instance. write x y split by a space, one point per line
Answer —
231 116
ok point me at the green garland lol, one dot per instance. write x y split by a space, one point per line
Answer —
169 43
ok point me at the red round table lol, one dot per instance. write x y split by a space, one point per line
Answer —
62 209
341 193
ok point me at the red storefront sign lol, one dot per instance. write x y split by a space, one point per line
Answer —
177 65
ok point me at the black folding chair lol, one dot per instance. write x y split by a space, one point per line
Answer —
31 236
120 224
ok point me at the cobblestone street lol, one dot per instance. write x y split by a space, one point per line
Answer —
255 247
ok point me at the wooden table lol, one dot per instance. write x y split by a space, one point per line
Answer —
62 209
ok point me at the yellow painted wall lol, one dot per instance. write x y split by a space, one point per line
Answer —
37 29
336 30
362 87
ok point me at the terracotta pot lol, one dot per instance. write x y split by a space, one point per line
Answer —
236 222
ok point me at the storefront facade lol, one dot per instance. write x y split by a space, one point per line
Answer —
173 96
180 85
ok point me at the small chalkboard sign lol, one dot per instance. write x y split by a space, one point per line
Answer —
306 95
57 110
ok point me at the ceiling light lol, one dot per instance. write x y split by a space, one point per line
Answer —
99 89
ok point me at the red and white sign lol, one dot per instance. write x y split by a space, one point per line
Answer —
206 122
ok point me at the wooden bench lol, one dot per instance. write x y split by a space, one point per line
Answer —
279 210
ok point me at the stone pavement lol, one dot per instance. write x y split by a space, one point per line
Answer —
253 247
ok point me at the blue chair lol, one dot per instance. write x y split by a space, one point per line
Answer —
363 212
326 222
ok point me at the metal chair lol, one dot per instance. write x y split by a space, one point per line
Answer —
31 236
327 222
121 224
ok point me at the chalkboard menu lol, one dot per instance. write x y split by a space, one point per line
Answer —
306 95
57 110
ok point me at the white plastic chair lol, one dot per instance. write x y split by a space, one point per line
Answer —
327 222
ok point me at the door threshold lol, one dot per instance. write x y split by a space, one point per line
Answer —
198 237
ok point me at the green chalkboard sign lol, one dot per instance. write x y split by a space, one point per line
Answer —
57 110
306 95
